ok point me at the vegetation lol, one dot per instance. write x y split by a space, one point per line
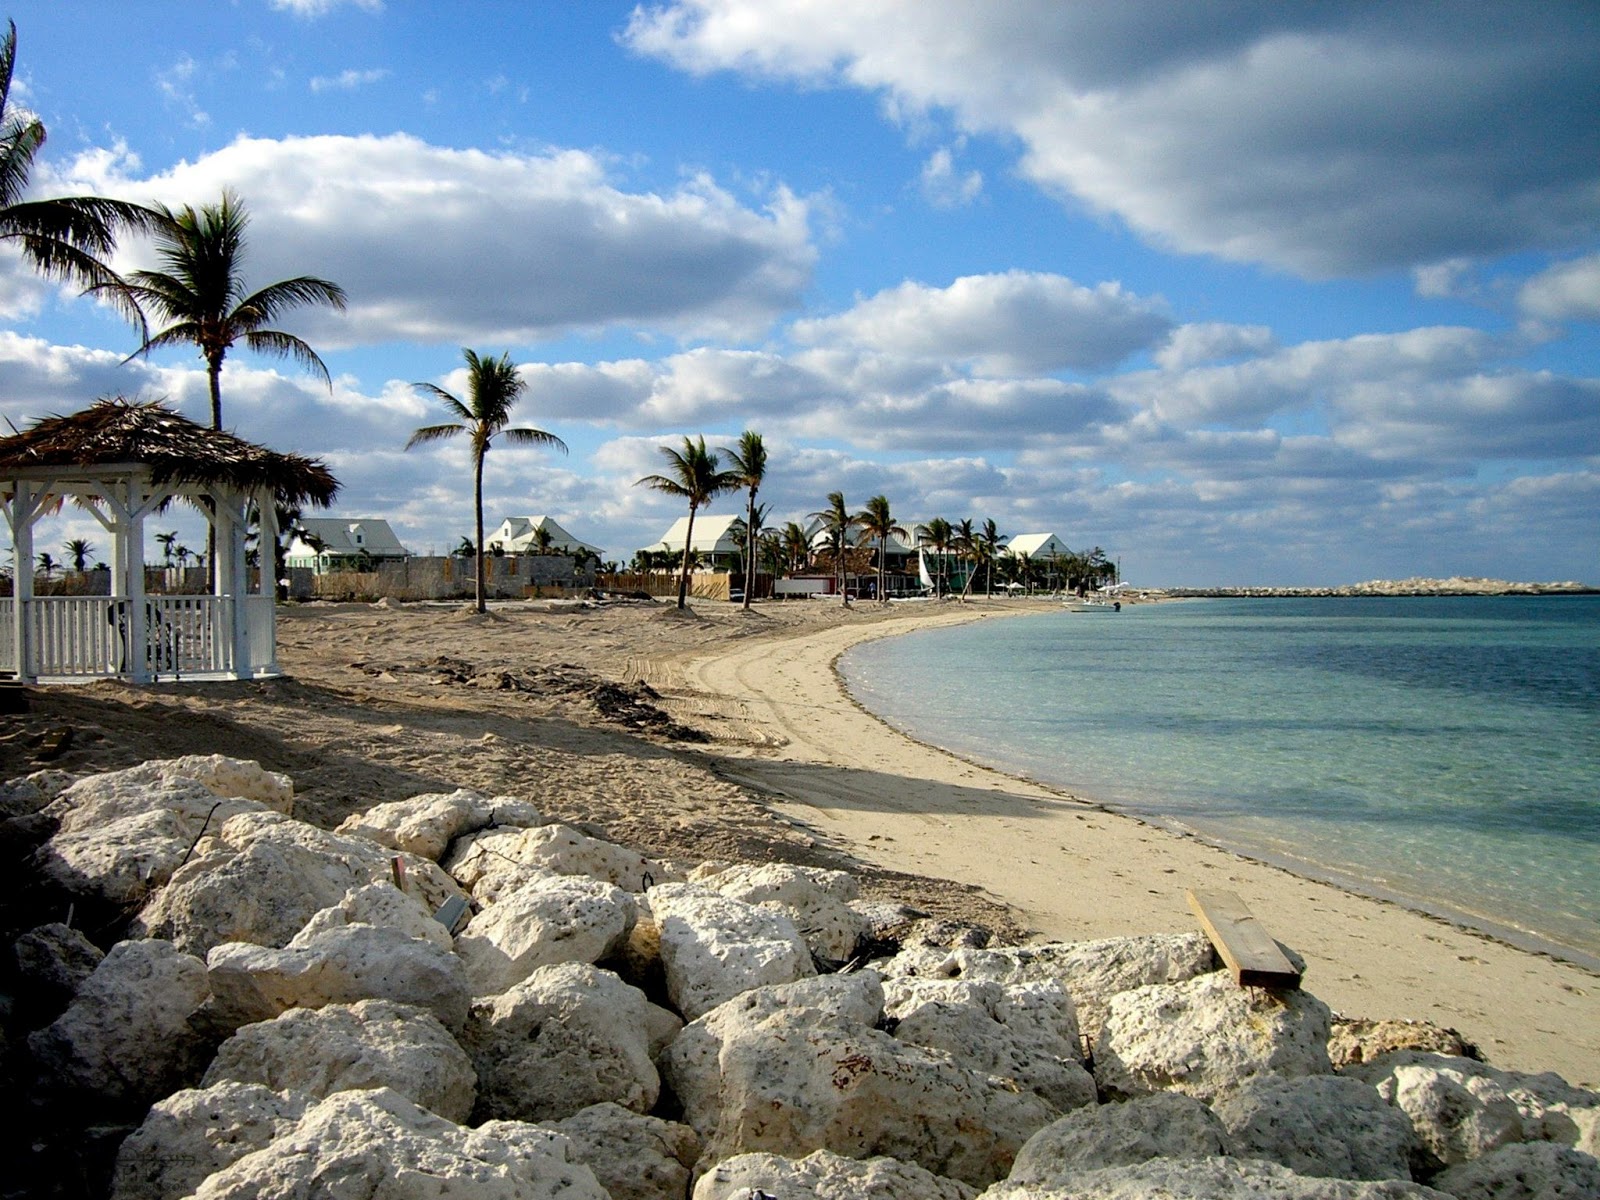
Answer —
836 527
877 523
65 237
936 535
200 293
694 474
749 463
494 386
79 552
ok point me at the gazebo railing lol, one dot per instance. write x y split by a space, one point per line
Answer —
92 637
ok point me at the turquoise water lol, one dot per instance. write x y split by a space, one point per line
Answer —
1444 752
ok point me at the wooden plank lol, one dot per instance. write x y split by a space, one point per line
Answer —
1242 941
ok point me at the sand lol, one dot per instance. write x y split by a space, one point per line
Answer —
386 703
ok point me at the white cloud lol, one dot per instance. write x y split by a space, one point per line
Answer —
439 245
1565 292
1322 139
1019 322
176 85
1212 341
348 81
311 9
945 187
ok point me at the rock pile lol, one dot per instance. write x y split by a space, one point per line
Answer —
449 995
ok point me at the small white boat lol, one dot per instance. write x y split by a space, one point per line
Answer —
1083 604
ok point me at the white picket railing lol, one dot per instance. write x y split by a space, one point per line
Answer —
85 637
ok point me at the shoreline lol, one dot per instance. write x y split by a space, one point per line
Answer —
1526 940
1368 955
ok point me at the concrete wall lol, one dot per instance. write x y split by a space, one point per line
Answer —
512 577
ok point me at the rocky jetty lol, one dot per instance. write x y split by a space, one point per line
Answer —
1456 585
451 996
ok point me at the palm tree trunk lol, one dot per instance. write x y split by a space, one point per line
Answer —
683 576
883 549
750 550
477 497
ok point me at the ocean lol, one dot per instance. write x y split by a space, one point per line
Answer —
1441 752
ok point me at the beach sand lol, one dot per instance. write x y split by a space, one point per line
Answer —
387 703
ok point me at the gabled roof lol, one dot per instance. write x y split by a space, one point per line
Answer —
710 534
174 449
518 535
1037 545
350 535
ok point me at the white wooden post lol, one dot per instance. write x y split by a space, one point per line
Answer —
21 514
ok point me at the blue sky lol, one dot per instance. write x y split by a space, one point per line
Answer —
1243 293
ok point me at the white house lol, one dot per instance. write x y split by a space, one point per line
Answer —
1037 545
342 543
520 535
711 539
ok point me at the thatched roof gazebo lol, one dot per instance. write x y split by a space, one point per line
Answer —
122 461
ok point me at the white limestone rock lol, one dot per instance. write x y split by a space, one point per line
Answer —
127 1037
483 860
1207 1036
823 1175
548 920
1091 972
1165 1125
379 1146
352 1047
336 966
567 1037
52 963
423 825
713 948
800 1067
1462 1109
1210 1179
634 1157
197 1132
1321 1125
381 904
264 875
816 900
1524 1171
1026 1032
98 800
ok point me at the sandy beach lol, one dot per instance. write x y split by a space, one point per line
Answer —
547 702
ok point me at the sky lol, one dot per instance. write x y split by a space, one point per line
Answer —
1242 293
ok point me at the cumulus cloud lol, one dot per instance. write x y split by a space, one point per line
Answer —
1212 341
944 186
1321 139
1565 292
1015 323
441 245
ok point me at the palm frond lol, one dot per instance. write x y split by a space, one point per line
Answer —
433 433
298 292
286 345
450 402
534 437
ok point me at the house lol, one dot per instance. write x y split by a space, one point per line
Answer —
1041 546
325 544
522 535
712 542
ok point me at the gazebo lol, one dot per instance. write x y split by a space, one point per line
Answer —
123 461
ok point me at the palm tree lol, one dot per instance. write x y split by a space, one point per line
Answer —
989 544
79 551
202 297
836 523
65 237
740 530
795 547
47 563
167 541
693 474
181 553
543 539
877 523
964 541
936 534
464 549
749 462
493 386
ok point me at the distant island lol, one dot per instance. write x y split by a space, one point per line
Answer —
1456 585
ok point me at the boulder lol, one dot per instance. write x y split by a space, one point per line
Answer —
486 861
381 904
816 900
548 920
98 800
195 1133
352 1047
1356 1040
1321 1125
423 825
1525 1171
1207 1036
714 948
634 1157
336 966
567 1037
1462 1109
1209 1179
824 1175
1165 1125
264 875
801 1067
52 963
127 1037
1027 1032
1091 972
379 1145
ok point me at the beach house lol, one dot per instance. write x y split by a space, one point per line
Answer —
715 548
325 544
536 535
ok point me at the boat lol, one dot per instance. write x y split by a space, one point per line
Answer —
1085 604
